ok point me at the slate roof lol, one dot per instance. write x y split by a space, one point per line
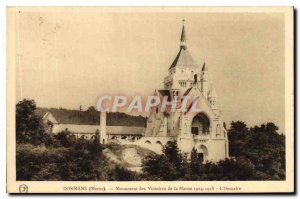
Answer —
66 116
88 129
183 58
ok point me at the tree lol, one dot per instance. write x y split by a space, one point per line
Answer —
158 167
195 162
240 168
236 135
262 146
123 174
171 165
171 151
29 127
91 109
96 148
65 138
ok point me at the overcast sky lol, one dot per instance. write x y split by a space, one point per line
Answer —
69 57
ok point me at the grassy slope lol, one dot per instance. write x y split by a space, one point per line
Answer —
118 151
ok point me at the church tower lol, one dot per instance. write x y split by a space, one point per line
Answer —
183 69
201 129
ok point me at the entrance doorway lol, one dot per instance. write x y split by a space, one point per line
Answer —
202 153
200 157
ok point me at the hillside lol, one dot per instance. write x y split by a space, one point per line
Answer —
128 156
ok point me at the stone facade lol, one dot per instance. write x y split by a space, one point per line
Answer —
202 130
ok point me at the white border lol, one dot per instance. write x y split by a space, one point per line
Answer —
98 3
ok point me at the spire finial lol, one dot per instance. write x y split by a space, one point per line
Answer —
183 37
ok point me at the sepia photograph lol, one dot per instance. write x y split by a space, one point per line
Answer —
150 100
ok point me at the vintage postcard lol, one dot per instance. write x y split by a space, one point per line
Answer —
150 100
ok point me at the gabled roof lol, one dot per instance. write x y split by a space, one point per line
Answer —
90 117
110 130
48 117
198 97
66 116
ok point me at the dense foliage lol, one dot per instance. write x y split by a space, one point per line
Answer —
29 127
262 146
257 153
44 156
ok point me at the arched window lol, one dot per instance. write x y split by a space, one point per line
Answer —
133 138
218 130
200 125
159 144
83 137
148 142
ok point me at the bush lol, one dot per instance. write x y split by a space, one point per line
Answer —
80 161
169 166
257 154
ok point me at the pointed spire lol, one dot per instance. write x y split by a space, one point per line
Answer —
204 68
183 36
211 92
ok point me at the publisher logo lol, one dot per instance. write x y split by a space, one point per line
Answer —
23 188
